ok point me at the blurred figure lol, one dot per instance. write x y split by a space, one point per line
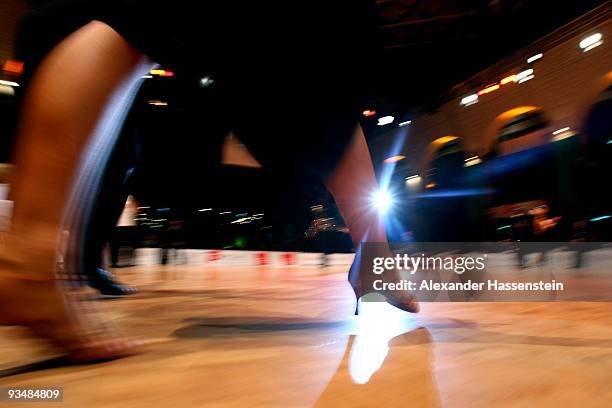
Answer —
32 48
542 224
542 228
81 91
125 233
108 208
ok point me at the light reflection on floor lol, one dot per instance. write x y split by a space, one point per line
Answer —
288 337
377 324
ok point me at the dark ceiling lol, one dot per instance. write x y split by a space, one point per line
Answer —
432 45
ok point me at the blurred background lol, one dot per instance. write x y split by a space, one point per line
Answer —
488 121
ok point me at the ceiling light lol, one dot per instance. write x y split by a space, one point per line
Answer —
469 100
385 120
412 180
534 58
591 42
489 89
8 83
394 159
367 113
565 129
508 79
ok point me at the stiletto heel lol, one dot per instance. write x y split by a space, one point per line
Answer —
407 302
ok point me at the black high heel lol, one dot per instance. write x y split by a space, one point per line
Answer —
407 304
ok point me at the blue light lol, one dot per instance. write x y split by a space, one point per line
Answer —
504 227
609 141
464 192
603 217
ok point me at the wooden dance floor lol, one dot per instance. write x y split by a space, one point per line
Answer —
287 337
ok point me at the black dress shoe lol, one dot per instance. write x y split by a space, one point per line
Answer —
103 281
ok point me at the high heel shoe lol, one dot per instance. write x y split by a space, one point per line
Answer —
402 300
405 301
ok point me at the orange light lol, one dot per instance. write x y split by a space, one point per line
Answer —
162 72
394 159
508 79
430 185
367 113
13 67
489 89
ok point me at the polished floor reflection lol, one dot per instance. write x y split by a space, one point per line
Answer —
287 337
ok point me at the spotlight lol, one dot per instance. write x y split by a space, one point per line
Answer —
385 120
382 200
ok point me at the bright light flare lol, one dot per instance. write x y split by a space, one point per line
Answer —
405 123
382 201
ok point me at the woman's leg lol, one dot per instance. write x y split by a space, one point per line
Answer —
352 184
77 92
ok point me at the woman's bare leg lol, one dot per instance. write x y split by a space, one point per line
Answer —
352 184
67 101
